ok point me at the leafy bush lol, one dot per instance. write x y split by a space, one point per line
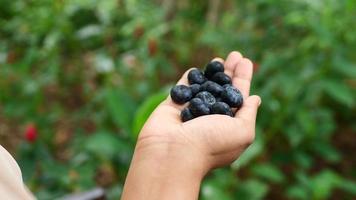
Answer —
88 74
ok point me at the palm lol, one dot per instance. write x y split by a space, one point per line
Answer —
218 136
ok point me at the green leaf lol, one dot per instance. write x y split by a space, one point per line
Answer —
104 144
224 177
269 171
213 190
327 151
121 107
339 91
145 110
305 122
323 184
303 159
297 192
348 186
255 188
344 67
294 135
251 152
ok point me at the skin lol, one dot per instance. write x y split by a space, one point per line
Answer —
171 158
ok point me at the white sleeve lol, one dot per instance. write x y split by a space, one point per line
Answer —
11 185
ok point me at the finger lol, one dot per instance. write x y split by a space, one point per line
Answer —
242 76
182 81
218 59
248 111
168 112
231 62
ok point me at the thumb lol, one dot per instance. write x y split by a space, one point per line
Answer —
249 109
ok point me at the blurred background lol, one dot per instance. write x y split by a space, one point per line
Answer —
79 78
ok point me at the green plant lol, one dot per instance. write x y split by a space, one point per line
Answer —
86 73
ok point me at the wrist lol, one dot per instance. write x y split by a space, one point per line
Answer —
171 156
163 171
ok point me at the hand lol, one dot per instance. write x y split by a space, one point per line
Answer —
171 158
212 140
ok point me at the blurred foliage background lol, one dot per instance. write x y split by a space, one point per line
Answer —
78 79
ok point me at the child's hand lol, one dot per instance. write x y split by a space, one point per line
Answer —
171 158
208 141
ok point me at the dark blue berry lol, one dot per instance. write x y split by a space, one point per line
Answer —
212 87
198 107
207 98
218 99
195 89
221 78
212 68
221 108
186 115
196 76
232 96
181 94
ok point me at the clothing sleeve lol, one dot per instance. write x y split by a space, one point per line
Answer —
11 184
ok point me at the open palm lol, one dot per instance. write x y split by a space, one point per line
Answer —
214 139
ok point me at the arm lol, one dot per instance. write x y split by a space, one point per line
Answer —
171 158
163 175
11 186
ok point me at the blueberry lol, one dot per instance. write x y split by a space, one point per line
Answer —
195 89
221 78
232 96
181 94
212 87
212 68
207 98
221 108
196 76
186 115
198 107
219 99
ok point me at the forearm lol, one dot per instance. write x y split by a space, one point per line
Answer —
11 186
162 175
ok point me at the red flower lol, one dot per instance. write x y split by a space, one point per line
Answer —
31 133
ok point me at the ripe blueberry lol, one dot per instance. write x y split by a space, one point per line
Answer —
186 115
195 89
232 96
196 76
212 87
198 107
207 97
181 94
212 68
219 99
221 78
221 108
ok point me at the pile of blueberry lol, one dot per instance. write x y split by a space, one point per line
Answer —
210 92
